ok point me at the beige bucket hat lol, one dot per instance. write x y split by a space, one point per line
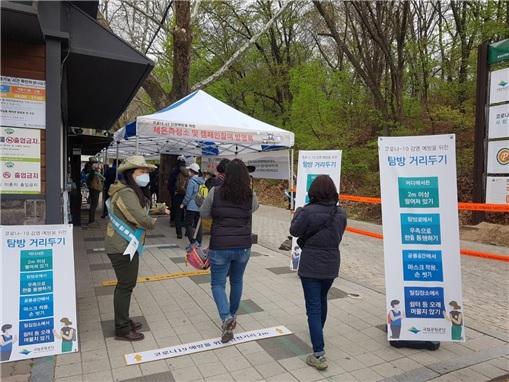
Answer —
135 161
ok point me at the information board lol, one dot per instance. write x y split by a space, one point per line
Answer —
498 126
421 238
311 164
499 86
498 157
37 298
497 189
22 102
20 161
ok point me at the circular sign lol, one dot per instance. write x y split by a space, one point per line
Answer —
503 156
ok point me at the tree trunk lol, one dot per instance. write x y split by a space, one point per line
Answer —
182 45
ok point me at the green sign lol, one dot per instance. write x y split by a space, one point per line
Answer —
498 51
421 192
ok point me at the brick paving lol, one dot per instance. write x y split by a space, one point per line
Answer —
182 310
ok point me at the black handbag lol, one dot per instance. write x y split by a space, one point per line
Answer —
301 241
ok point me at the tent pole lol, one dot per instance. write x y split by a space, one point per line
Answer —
292 201
116 167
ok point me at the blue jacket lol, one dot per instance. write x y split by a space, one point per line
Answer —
192 189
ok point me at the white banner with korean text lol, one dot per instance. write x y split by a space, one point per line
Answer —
311 164
204 345
421 238
37 297
268 165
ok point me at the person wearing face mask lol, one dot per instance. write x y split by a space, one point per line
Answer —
189 203
95 183
129 208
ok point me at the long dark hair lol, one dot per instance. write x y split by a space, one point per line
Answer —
141 193
236 187
323 190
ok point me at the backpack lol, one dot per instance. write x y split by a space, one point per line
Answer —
201 195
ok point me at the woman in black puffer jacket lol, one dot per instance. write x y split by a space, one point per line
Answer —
320 224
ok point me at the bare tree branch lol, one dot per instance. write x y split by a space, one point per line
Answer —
241 50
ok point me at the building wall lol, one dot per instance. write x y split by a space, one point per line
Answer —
20 59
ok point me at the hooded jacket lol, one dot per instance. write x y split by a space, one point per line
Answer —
127 207
192 189
320 257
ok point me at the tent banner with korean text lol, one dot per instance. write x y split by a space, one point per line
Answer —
421 238
311 164
38 296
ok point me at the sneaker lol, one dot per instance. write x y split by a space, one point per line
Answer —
228 326
320 363
131 336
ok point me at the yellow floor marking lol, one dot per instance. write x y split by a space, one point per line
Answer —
166 276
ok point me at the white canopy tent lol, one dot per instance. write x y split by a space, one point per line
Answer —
199 125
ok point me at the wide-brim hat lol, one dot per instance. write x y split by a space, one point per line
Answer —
136 161
65 321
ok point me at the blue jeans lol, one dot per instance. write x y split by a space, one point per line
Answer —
315 295
223 263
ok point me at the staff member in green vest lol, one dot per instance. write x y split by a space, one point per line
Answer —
128 209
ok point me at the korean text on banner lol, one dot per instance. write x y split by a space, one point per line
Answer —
421 238
20 161
312 164
37 297
268 165
498 121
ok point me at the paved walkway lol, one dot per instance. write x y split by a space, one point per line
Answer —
182 310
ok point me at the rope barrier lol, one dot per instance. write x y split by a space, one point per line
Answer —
465 252
463 206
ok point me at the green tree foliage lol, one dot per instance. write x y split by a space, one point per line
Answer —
339 74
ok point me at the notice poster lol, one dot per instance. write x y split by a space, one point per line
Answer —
499 122
498 157
268 165
312 164
22 102
20 161
38 297
499 86
497 189
421 238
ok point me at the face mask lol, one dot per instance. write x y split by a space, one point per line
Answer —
142 180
